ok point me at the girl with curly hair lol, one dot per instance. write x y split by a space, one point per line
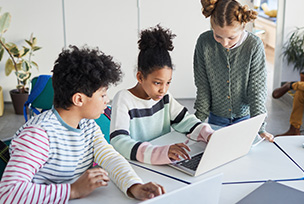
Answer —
147 110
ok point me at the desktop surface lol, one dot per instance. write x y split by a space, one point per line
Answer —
263 162
293 146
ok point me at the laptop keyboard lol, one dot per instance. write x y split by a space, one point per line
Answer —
192 163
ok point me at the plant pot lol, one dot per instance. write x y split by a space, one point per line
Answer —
18 100
302 76
1 102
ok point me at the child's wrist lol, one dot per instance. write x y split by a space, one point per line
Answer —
132 189
72 193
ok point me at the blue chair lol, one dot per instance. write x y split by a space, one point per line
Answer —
104 123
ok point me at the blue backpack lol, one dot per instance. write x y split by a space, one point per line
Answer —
40 97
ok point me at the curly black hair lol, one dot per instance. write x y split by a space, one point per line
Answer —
84 71
154 44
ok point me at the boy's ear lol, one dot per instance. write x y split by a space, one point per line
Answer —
139 76
77 99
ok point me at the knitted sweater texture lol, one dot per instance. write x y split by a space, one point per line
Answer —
230 83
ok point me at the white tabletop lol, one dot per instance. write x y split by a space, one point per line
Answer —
112 194
263 162
292 145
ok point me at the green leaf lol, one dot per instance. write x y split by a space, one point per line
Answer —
34 41
293 49
35 65
36 48
25 51
9 67
28 42
1 53
26 66
23 76
5 20
19 66
14 50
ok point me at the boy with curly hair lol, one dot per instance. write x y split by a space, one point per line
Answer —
52 153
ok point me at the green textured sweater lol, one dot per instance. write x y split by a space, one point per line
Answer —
230 83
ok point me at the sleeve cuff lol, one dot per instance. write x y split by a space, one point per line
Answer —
151 154
201 132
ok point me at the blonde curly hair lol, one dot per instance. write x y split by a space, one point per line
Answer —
227 12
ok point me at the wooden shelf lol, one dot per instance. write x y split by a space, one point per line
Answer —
269 37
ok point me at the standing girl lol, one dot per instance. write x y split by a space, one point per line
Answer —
148 111
229 67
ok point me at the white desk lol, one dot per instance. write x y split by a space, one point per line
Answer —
112 194
292 145
263 162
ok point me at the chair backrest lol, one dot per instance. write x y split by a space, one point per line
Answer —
104 123
41 95
4 155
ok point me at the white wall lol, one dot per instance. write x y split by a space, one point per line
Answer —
44 19
112 26
185 20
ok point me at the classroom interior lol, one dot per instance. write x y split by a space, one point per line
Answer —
122 21
278 72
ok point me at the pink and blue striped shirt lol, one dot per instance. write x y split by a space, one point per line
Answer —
47 155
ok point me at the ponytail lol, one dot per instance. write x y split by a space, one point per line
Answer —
154 45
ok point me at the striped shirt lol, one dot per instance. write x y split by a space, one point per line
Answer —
47 155
135 122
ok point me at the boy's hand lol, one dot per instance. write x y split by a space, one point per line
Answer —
178 150
89 181
145 191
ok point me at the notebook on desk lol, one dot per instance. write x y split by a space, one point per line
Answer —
225 145
204 191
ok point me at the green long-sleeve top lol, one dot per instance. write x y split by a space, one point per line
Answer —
230 83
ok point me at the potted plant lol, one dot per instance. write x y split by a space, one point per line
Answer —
19 61
293 51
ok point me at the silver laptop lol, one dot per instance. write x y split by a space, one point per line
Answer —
204 191
225 145
274 192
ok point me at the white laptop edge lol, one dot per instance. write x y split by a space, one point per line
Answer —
209 190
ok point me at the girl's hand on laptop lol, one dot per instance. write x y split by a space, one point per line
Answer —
267 136
179 150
